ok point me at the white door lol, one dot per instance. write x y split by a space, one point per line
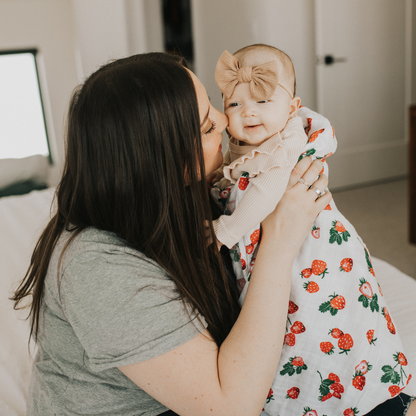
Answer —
361 88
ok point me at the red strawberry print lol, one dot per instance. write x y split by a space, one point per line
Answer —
306 273
315 135
396 377
363 367
336 333
308 127
366 290
298 361
316 232
292 307
346 265
319 268
329 384
358 382
333 133
328 208
333 377
254 237
309 412
294 365
297 328
367 293
339 227
243 181
243 263
326 397
391 327
249 248
352 411
338 233
224 193
293 393
379 289
400 358
386 314
345 343
370 337
336 303
394 390
269 396
252 265
311 287
337 388
328 154
327 348
290 339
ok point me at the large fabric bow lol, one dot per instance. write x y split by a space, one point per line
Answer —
263 78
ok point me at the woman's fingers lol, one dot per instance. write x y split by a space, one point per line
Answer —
300 168
311 173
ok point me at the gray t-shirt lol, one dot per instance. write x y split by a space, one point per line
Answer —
114 307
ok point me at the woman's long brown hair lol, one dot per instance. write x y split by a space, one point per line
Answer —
133 131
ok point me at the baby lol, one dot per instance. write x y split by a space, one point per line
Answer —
341 353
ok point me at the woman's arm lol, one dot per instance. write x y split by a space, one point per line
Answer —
197 378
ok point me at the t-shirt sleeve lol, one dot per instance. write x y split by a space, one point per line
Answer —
123 308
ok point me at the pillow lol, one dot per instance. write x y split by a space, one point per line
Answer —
32 170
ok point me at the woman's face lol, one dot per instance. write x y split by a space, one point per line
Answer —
213 122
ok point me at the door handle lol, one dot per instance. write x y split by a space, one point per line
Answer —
330 60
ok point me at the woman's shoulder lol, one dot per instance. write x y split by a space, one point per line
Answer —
100 245
96 256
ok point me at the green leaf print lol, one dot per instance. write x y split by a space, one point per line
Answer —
364 300
390 375
345 236
325 307
308 153
288 369
374 304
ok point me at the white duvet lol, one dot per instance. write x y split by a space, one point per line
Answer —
23 218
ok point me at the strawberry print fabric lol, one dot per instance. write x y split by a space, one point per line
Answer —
341 354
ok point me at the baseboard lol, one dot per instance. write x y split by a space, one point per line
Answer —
349 168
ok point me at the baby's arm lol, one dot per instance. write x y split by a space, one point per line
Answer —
258 202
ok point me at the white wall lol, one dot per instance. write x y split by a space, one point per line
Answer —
101 29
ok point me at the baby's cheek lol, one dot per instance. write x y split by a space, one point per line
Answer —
234 125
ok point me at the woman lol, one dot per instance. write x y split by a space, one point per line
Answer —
131 310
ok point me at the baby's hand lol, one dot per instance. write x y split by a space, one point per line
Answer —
213 178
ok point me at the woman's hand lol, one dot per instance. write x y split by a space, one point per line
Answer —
300 205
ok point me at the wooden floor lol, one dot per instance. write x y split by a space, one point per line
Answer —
380 214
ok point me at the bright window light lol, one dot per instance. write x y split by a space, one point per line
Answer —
22 123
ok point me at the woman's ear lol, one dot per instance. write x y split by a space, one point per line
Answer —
294 107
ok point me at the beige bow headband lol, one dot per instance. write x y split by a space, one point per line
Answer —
263 78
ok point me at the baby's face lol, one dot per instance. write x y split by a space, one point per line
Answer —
253 122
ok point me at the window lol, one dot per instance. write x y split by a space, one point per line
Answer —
23 130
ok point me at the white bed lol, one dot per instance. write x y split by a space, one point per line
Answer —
22 219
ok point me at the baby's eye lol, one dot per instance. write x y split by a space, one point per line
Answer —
262 102
233 105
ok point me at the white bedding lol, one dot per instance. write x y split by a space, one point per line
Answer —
22 219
